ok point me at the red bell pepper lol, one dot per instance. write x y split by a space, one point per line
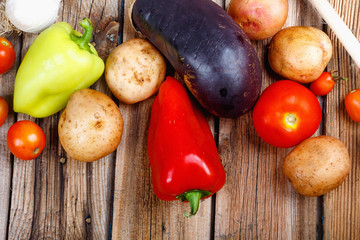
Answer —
182 152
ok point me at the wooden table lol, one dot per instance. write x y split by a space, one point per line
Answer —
113 198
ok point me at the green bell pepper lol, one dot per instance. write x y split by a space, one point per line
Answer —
59 62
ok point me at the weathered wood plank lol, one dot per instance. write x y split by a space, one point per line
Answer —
6 161
138 213
51 200
21 215
22 200
104 15
341 206
47 195
88 187
257 201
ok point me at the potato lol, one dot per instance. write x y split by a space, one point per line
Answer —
90 126
260 19
317 165
134 70
300 53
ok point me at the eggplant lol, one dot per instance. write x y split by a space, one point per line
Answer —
207 48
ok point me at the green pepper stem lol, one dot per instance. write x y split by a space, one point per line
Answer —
84 40
193 196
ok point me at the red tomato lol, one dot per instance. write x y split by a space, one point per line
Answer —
286 113
7 55
352 104
4 110
26 140
323 85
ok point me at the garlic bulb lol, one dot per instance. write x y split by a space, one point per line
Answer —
32 16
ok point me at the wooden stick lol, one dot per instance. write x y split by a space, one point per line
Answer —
341 30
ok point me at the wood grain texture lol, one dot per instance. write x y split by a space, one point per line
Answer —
341 206
133 194
88 187
258 202
51 200
113 198
6 162
22 207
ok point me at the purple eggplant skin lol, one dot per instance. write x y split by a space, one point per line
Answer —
207 48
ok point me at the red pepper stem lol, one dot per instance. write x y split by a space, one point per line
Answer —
193 196
84 40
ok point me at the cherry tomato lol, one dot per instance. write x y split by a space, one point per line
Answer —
286 113
7 55
352 104
4 110
26 140
323 85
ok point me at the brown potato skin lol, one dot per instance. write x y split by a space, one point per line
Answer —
300 53
134 70
317 165
91 126
260 19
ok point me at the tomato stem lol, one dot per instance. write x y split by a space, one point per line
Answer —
4 43
336 77
291 119
36 150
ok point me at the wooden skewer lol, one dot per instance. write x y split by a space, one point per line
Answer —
341 30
